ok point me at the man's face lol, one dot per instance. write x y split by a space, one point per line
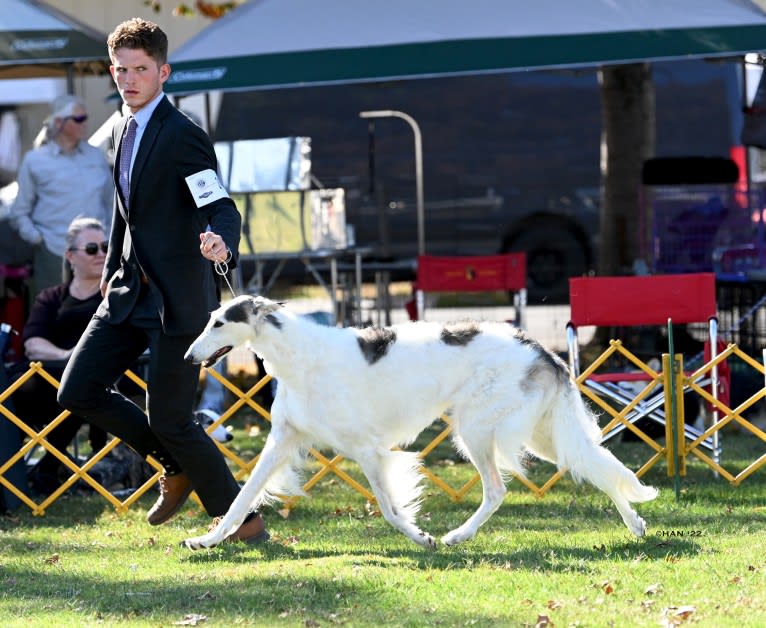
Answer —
137 76
73 127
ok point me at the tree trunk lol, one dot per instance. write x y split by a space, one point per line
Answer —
627 140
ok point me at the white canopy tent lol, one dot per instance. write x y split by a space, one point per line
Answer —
290 43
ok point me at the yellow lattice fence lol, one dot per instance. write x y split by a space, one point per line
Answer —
613 415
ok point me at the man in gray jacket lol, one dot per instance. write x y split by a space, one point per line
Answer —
62 178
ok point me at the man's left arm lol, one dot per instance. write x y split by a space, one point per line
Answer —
212 199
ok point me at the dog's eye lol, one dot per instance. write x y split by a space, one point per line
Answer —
217 324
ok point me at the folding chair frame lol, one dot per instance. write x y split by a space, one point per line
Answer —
646 300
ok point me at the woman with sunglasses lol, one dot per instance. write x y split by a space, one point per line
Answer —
58 317
58 178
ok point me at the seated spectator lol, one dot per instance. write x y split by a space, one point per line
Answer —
56 321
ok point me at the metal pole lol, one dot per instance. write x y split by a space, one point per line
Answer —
673 412
388 113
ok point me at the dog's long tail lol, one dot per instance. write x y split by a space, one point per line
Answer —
576 437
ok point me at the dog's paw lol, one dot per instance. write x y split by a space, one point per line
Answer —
200 542
638 527
456 536
425 540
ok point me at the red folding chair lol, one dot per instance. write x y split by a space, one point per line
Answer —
638 301
475 273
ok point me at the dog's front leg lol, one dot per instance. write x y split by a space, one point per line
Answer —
276 452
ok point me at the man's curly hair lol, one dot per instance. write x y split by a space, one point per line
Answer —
139 34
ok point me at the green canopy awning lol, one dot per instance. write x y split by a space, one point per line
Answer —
289 43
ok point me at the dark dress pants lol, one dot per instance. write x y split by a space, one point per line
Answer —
169 432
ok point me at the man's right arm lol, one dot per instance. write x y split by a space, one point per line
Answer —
21 211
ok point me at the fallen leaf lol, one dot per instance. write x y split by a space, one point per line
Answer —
151 541
543 621
553 605
684 611
607 587
53 559
207 596
653 589
284 513
736 580
676 615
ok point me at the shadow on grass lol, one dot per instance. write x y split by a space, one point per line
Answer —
65 511
549 558
250 598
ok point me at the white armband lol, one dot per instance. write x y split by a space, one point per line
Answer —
205 187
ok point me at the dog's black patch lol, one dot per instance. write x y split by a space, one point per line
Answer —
237 314
459 334
375 342
551 360
274 321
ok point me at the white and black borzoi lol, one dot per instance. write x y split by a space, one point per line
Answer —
362 392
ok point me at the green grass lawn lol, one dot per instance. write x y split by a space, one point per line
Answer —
563 560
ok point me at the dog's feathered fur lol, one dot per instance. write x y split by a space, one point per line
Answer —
361 392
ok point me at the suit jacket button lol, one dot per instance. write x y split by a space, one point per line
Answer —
132 227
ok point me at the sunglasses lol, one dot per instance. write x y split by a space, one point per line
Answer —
91 248
78 119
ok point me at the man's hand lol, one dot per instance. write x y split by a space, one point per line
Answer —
213 247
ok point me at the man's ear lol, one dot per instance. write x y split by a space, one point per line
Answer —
164 72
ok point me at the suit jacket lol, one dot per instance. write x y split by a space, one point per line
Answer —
159 234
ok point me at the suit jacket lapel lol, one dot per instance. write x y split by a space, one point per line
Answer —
147 140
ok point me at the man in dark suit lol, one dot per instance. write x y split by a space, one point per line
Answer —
173 220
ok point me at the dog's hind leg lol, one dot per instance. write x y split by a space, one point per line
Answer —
277 451
576 441
479 448
395 481
609 474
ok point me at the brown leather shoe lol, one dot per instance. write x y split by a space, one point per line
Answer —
174 491
253 531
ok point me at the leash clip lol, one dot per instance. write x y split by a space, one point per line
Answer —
222 268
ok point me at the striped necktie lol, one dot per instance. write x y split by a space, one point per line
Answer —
126 152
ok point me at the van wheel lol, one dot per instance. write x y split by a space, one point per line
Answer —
555 253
